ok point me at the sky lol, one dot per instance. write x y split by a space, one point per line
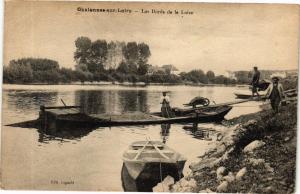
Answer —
218 37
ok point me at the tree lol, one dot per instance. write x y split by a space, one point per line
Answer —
98 55
80 75
83 45
197 76
7 76
123 68
67 75
114 55
142 68
131 53
210 75
19 72
28 70
144 52
111 53
81 67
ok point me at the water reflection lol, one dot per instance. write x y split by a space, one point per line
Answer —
22 99
133 101
198 132
49 132
62 134
92 102
112 101
165 132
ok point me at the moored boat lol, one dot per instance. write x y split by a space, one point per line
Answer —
262 87
61 117
211 114
71 117
146 163
248 95
243 95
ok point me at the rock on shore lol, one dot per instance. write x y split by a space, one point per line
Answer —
256 154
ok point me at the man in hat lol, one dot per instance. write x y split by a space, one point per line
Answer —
165 106
275 93
255 81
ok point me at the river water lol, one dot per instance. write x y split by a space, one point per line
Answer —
92 159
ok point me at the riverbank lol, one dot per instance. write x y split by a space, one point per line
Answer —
257 154
289 83
137 84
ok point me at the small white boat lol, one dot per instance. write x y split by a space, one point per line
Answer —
248 94
147 163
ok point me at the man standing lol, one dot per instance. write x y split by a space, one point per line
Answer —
255 81
275 93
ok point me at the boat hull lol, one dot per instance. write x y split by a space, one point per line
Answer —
149 175
89 121
200 118
57 119
243 96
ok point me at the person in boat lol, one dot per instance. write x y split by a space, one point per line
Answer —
275 93
166 110
255 81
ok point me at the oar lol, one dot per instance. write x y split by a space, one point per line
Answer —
66 105
63 102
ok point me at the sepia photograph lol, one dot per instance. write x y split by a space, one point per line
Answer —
149 96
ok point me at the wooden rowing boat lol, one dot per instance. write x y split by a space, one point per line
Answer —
288 93
243 96
146 163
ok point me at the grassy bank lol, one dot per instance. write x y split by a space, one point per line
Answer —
257 154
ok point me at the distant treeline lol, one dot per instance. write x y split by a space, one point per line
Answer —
32 70
113 61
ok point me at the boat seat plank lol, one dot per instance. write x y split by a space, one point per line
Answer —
148 151
141 145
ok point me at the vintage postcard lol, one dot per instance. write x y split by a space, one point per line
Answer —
153 97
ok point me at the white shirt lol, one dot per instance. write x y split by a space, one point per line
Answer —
166 98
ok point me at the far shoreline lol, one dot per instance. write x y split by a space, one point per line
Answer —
130 84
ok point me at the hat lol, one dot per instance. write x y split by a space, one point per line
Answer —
275 78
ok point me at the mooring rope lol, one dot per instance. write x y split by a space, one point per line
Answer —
160 173
247 106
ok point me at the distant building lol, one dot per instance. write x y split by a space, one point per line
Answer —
171 68
165 68
230 74
292 73
285 73
280 74
154 69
